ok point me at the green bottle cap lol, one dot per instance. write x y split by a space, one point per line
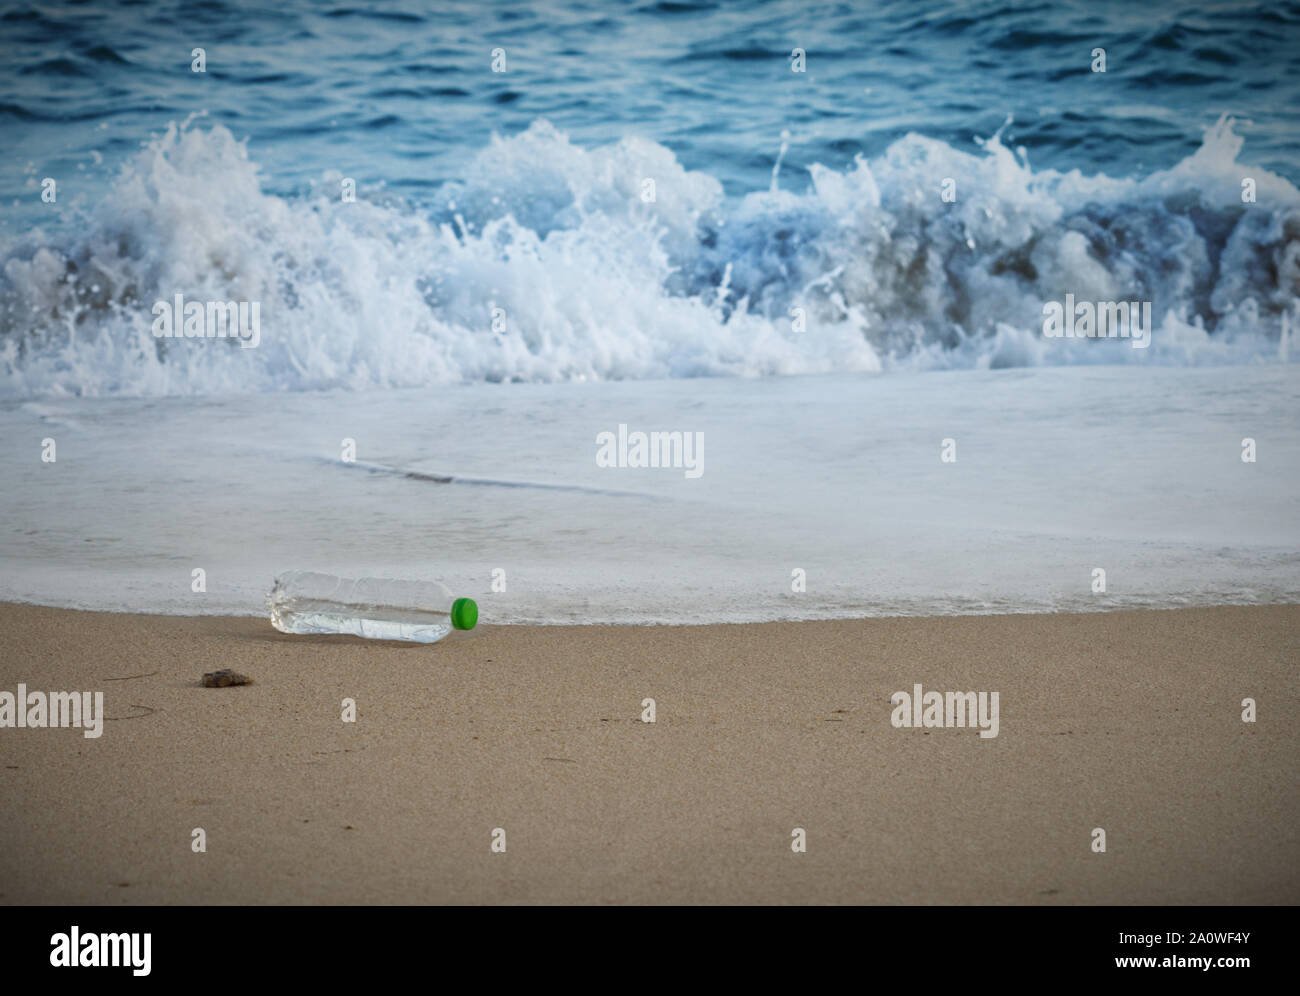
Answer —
464 613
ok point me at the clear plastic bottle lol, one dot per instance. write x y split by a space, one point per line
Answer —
376 608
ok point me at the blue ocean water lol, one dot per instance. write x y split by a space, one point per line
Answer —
645 217
402 96
503 228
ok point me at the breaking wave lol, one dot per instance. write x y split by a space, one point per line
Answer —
554 262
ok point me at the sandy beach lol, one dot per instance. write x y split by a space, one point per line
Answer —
1127 721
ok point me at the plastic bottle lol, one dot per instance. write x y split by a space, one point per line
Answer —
376 608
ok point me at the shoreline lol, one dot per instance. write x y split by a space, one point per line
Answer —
1126 720
481 598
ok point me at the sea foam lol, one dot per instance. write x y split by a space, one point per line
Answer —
549 263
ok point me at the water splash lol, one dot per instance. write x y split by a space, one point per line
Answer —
550 264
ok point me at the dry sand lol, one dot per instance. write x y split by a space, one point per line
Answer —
1129 721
